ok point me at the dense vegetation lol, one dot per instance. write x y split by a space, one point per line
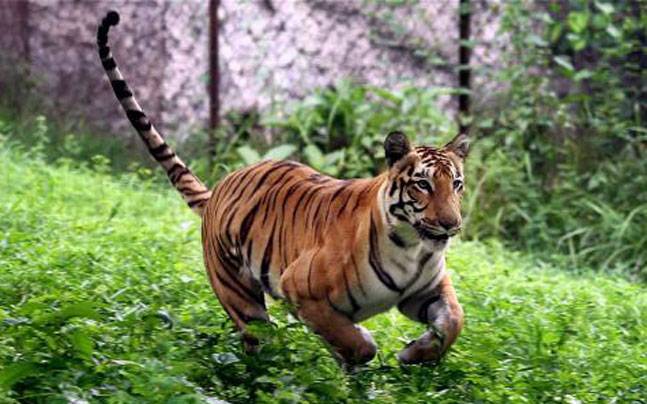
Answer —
103 296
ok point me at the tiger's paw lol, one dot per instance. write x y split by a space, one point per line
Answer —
363 351
251 344
426 349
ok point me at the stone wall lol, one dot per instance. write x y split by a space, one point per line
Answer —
270 51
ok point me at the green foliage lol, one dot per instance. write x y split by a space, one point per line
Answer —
55 139
340 130
560 168
103 296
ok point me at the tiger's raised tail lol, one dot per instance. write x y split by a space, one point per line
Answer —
194 192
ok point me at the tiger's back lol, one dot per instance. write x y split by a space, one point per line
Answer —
269 214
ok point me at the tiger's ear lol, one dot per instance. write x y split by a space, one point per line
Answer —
460 145
396 146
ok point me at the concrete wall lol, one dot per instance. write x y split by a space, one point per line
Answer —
270 51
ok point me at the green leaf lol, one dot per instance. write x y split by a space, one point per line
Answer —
564 62
225 358
334 157
81 309
314 156
280 152
606 8
614 32
537 40
16 372
578 42
555 32
600 21
577 21
249 155
82 344
582 74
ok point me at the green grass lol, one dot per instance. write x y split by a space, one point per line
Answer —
103 296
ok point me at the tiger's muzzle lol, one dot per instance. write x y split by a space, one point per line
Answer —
437 233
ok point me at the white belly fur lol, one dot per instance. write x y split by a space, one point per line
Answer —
378 297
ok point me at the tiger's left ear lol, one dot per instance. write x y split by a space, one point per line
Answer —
396 146
460 146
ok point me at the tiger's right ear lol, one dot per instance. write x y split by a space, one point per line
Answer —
396 146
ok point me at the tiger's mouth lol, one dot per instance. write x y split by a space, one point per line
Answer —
430 233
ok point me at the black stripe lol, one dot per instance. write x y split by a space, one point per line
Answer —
269 200
298 203
227 265
310 273
191 192
396 239
376 262
246 225
138 119
342 206
359 198
394 187
162 152
109 64
102 35
421 267
104 51
310 218
244 317
339 191
197 202
231 287
261 180
241 187
231 264
249 252
267 261
121 89
422 313
359 278
353 303
176 172
164 157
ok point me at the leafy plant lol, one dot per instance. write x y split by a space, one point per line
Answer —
103 297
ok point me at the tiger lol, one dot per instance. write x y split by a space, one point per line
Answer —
338 251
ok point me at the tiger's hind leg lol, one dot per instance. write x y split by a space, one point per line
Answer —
440 310
238 292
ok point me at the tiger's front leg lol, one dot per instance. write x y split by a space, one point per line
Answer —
438 308
307 285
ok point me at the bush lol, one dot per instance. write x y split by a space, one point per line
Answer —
559 167
103 297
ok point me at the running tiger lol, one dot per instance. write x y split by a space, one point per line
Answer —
339 251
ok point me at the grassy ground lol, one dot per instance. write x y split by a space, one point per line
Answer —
103 296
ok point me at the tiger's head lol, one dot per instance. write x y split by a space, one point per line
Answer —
424 188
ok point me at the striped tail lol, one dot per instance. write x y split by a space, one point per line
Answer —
194 192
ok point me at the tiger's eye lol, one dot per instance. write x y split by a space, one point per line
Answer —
424 185
458 184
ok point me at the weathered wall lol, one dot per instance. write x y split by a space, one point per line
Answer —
271 51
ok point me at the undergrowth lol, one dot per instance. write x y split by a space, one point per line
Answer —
103 296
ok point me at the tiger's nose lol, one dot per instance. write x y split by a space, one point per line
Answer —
450 224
